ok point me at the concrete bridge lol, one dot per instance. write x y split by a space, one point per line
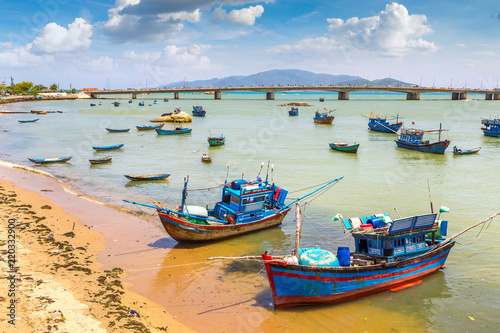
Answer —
412 93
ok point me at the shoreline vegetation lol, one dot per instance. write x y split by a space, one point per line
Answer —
51 274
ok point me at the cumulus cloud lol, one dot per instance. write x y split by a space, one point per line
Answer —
394 32
54 39
102 64
156 20
24 57
245 16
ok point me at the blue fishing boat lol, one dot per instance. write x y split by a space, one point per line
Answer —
108 147
114 130
116 103
50 160
148 177
245 206
165 99
324 117
177 130
389 255
491 127
412 139
92 104
294 111
198 111
130 101
29 121
155 102
149 127
141 103
381 124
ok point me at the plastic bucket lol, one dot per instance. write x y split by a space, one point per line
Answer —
344 256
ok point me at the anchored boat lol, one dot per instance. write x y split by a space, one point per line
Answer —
344 147
389 255
245 206
29 121
198 111
382 124
324 117
108 147
149 127
459 151
216 141
113 130
148 177
491 127
50 160
294 111
100 160
410 138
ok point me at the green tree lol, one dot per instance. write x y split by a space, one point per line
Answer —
54 87
23 87
3 88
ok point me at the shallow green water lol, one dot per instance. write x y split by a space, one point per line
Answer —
378 179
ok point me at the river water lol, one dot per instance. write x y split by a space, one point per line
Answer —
216 296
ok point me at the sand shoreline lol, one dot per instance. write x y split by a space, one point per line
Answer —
59 282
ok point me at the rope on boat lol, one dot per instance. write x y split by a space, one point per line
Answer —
330 239
481 231
307 188
206 188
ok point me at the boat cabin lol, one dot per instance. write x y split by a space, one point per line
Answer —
380 239
246 201
412 136
376 121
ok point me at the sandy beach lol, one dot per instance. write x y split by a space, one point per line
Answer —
52 280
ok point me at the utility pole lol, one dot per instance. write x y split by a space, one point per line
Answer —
11 82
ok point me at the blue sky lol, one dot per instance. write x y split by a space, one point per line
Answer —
126 43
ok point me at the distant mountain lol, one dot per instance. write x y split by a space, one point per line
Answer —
285 77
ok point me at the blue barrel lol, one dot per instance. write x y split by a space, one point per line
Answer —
344 256
377 221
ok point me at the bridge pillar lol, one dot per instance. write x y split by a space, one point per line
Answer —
496 97
176 95
217 94
413 96
93 95
455 96
343 95
270 96
488 97
134 96
463 95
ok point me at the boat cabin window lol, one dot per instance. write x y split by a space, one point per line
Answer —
235 200
226 199
251 200
362 246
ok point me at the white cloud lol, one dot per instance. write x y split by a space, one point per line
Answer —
144 57
460 44
99 65
245 16
6 45
310 46
54 38
393 32
23 57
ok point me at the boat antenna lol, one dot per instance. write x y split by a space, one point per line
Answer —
429 189
267 172
261 166
272 174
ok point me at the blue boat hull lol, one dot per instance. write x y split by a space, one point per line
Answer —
293 285
434 148
491 133
199 113
393 128
108 147
170 132
50 160
293 113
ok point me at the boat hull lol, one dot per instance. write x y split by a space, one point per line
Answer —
293 285
50 160
490 133
214 142
199 113
111 130
324 120
100 160
148 128
28 121
173 132
349 149
183 231
393 128
147 177
467 151
108 147
434 148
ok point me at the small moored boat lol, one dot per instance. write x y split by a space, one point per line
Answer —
113 130
108 147
29 121
100 160
39 111
149 127
324 117
116 103
198 111
165 99
344 147
92 104
141 103
148 177
410 138
216 141
206 158
177 130
50 160
459 151
294 111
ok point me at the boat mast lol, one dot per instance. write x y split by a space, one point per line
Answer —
297 230
440 125
184 193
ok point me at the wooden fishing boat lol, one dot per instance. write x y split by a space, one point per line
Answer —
198 111
29 121
50 160
206 158
177 130
141 103
324 117
245 206
458 151
149 127
108 147
216 141
382 125
116 103
294 111
113 130
344 147
412 139
148 177
39 111
491 127
389 255
100 160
